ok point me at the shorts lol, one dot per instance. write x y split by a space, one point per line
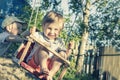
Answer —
32 63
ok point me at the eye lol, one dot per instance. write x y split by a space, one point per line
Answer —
56 29
49 28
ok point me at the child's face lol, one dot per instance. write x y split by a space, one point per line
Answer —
14 28
51 30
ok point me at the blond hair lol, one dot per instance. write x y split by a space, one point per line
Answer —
53 17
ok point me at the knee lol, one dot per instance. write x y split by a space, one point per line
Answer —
62 54
43 53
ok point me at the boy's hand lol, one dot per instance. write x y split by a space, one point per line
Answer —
71 44
32 30
28 32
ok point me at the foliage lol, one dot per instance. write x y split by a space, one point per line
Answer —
45 4
27 12
71 73
105 23
76 5
38 20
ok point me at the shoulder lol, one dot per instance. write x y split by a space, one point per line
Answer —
3 36
61 44
4 33
38 34
60 40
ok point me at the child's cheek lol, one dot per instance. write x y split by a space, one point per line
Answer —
15 32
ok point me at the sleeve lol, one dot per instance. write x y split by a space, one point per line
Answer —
15 38
38 35
3 36
61 46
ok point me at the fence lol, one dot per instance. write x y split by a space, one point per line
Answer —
104 64
110 64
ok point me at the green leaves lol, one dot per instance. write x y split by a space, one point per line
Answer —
105 21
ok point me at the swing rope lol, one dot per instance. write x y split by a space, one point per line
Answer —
33 10
29 40
36 16
31 15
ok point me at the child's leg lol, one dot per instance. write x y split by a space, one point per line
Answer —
56 64
41 59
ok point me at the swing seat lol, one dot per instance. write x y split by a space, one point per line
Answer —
30 67
35 70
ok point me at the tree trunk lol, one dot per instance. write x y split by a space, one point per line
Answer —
80 59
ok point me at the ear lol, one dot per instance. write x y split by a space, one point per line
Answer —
43 27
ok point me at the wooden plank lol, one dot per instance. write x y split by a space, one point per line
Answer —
48 48
18 50
111 63
25 50
32 30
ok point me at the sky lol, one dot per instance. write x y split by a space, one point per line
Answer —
64 5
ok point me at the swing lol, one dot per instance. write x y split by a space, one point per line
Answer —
25 49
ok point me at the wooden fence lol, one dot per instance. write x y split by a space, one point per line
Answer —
110 63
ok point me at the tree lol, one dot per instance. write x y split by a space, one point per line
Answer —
84 36
105 23
82 7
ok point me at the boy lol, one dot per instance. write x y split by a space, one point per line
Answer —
13 27
40 57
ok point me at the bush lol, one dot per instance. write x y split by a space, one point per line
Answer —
73 75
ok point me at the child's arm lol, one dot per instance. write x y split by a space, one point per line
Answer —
25 33
70 47
28 32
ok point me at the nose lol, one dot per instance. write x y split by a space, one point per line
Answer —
52 31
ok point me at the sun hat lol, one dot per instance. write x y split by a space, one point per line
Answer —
9 20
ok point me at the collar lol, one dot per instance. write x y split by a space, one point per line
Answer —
48 40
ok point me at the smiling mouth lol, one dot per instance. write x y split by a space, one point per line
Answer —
51 34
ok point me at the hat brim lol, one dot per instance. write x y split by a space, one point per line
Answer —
10 20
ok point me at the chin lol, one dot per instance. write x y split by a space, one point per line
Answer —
14 33
52 38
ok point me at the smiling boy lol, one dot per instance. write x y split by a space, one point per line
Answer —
40 57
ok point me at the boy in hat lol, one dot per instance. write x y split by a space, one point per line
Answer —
12 28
